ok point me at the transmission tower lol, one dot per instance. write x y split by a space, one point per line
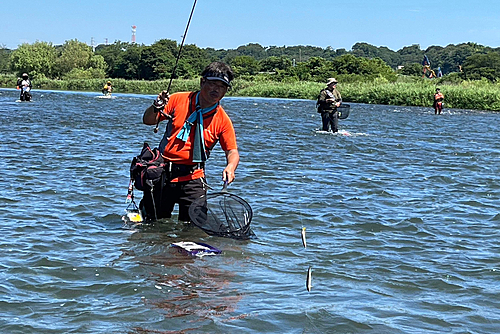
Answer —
134 28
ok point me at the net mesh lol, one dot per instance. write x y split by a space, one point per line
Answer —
224 215
343 110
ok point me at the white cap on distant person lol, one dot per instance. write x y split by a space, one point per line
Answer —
330 81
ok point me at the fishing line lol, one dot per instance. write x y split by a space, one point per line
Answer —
177 59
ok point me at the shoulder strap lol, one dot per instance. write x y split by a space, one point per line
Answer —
192 103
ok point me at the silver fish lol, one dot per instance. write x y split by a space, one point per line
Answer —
309 279
303 233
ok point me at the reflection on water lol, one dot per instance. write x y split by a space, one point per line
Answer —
400 207
189 287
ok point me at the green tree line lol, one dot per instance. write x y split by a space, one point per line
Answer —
365 62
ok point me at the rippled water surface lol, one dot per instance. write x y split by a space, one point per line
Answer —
401 213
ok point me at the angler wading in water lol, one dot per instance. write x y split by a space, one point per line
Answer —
438 102
24 84
196 122
328 100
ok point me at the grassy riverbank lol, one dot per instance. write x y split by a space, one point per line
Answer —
478 95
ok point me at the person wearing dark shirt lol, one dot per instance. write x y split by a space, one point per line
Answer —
328 100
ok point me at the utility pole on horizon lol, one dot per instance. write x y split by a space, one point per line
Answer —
134 28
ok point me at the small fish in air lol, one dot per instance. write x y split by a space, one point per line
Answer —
309 279
303 233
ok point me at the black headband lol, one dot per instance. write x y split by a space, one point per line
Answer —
218 76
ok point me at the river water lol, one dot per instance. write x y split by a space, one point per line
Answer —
400 209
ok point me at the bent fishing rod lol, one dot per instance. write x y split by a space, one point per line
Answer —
176 62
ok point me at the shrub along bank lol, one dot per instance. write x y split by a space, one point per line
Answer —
477 95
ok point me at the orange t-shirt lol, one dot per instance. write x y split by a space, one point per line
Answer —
217 126
438 96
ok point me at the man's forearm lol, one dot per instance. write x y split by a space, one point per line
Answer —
233 159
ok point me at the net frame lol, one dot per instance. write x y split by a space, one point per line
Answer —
222 214
343 110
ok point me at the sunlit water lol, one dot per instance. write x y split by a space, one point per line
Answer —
401 213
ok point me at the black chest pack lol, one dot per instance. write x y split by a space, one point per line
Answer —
147 169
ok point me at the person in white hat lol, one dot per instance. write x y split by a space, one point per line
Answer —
328 100
24 84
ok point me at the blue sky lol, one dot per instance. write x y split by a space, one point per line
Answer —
228 24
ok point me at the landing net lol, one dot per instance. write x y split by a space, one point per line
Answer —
224 215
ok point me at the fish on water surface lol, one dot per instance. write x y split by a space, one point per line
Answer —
309 279
303 233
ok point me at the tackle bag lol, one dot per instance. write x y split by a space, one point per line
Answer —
319 108
147 169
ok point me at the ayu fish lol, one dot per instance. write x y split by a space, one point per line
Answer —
309 279
303 234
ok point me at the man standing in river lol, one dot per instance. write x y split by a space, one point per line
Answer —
196 123
24 84
328 100
438 102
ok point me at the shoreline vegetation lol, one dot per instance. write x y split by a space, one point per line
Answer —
468 74
405 91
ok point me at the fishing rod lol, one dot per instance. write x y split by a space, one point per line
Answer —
176 62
